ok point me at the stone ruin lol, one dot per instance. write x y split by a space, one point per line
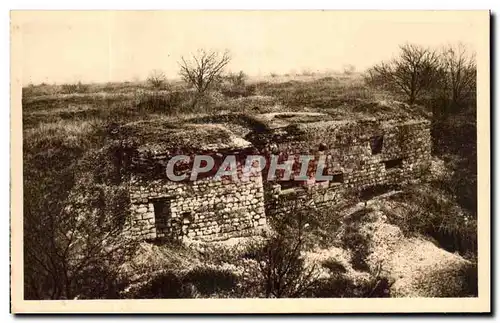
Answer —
361 154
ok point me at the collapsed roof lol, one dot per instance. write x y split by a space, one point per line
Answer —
162 136
239 131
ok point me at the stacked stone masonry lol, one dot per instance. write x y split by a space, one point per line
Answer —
205 209
359 155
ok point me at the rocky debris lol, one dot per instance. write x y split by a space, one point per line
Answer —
415 266
342 257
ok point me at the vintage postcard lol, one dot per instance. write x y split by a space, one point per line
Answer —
250 161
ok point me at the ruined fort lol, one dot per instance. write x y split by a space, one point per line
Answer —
360 153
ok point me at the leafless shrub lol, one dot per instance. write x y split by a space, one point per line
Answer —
415 70
237 79
281 265
70 88
283 269
459 72
204 69
234 86
157 79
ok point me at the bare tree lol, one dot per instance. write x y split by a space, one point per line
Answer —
283 269
157 79
203 69
459 72
415 70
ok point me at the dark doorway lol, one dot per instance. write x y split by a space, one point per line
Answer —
163 215
376 144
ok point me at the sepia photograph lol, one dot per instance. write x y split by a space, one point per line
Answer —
210 161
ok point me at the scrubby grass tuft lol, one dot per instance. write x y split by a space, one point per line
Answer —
428 210
210 280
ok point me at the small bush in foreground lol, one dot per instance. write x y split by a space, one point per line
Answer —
283 270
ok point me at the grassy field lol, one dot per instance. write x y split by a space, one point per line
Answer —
69 149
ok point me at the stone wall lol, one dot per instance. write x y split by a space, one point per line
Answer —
359 156
205 209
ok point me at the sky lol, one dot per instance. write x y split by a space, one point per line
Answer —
114 46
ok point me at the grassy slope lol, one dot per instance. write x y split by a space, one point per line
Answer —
61 129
